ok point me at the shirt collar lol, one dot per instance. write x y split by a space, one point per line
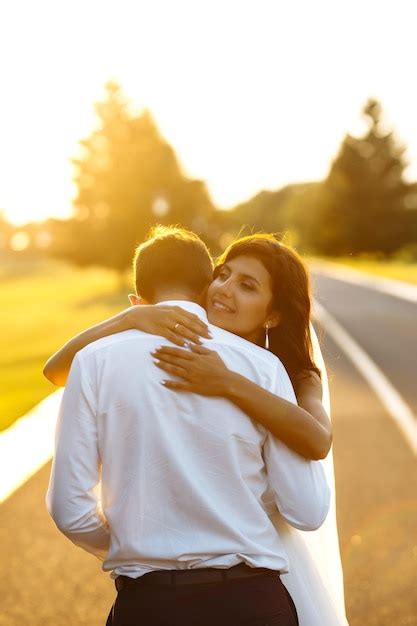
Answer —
191 307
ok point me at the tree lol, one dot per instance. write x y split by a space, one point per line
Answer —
128 178
361 207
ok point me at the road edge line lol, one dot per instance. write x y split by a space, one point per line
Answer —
395 288
393 402
28 444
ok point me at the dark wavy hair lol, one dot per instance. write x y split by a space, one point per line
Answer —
291 289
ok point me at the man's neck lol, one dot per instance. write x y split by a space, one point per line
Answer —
165 296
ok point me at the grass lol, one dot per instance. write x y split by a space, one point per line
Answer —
41 306
396 270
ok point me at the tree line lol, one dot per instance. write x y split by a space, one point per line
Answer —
129 178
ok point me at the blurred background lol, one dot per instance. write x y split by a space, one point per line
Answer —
227 118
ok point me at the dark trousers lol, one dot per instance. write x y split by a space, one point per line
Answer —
254 601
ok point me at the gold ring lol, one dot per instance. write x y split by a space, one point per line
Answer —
176 325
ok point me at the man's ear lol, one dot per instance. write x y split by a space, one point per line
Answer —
135 300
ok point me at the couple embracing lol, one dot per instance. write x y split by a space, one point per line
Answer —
198 414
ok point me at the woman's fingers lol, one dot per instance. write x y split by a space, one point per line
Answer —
172 336
193 323
173 360
175 352
185 333
200 350
171 369
177 386
195 327
184 325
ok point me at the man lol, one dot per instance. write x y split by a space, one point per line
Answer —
186 480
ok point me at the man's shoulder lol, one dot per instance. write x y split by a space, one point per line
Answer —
117 341
257 355
223 337
265 361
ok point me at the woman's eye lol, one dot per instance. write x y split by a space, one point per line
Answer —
247 287
222 275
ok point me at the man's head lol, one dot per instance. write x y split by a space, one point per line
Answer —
173 263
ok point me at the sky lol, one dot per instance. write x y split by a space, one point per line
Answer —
252 95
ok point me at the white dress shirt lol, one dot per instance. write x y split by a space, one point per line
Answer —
186 481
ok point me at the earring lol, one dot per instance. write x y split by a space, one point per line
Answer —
266 336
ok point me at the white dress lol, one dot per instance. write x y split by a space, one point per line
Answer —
315 580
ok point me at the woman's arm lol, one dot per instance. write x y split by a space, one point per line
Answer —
306 428
309 392
170 322
58 365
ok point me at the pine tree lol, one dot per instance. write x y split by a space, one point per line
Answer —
128 178
362 202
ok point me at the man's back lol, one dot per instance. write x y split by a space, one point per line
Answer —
184 480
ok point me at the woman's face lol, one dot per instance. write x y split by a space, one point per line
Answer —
239 298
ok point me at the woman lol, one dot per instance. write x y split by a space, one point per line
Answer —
260 291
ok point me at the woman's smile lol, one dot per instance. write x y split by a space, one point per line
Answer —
221 306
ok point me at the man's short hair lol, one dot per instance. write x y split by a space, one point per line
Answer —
172 257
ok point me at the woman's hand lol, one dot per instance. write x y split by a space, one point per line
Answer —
202 370
171 322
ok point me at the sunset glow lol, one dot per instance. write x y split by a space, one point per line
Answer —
250 95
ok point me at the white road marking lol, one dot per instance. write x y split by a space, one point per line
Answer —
397 288
396 406
27 445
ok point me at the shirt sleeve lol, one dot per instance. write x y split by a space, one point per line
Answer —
71 499
299 485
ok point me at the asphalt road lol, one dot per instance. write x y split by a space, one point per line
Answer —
385 327
376 475
45 580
